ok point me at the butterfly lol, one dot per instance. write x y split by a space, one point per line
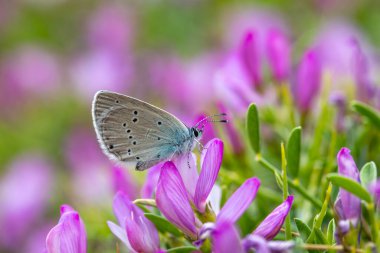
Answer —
140 134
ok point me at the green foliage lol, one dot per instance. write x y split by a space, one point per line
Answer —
293 149
162 224
368 174
350 186
368 112
253 127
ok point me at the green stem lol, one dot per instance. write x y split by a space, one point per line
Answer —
288 231
372 219
294 185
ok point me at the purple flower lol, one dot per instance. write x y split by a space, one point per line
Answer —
374 188
100 70
308 80
25 189
69 235
233 86
122 181
250 57
347 205
29 71
232 133
89 167
278 52
149 187
364 86
259 244
110 28
173 200
211 162
272 224
225 238
135 230
240 200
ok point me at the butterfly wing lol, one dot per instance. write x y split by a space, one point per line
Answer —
135 132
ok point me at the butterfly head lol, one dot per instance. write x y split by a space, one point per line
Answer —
197 133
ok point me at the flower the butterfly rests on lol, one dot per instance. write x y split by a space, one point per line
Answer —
139 134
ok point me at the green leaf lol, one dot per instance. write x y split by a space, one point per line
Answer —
331 232
303 229
279 181
320 238
350 185
162 224
293 148
183 249
253 127
368 174
367 111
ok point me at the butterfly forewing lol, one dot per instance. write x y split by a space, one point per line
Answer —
135 132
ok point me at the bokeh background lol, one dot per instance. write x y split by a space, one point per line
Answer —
54 56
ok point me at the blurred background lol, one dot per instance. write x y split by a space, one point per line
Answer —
179 55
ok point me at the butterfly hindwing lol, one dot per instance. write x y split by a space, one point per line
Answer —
135 132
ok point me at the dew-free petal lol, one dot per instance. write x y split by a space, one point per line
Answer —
225 239
209 173
172 200
68 236
239 201
120 233
272 224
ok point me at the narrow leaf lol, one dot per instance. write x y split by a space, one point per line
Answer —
367 111
253 127
293 148
183 249
331 232
319 236
162 224
368 174
303 229
350 186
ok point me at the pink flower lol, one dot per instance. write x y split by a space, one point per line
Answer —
272 224
347 205
225 239
250 57
123 181
308 80
278 52
69 235
110 27
137 232
25 189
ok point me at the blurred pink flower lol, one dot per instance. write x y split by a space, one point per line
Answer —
225 239
29 71
208 131
250 58
100 70
89 167
232 85
69 235
187 85
110 27
308 80
25 190
123 181
278 51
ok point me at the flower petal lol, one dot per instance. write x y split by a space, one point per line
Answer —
149 187
210 169
214 198
191 174
251 57
120 233
258 243
239 201
68 236
141 233
226 239
347 205
173 202
278 50
272 224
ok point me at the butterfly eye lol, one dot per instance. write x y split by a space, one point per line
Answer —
195 132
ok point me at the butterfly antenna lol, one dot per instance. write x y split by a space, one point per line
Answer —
211 116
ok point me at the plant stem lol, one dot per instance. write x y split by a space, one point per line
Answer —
372 220
294 185
288 231
326 247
